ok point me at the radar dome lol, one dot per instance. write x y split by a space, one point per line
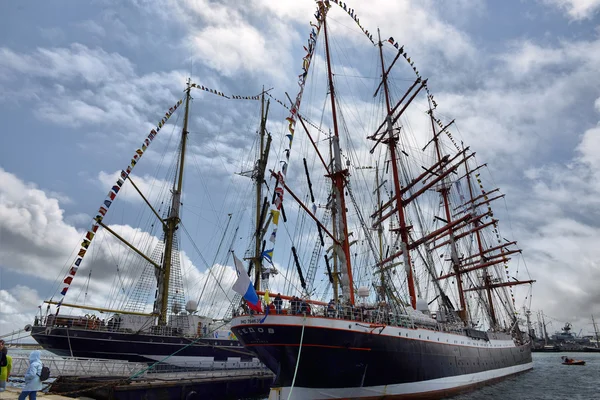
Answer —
191 306
422 306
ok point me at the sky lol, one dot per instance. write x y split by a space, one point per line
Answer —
82 84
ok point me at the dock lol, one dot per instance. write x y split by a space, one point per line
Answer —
229 384
12 393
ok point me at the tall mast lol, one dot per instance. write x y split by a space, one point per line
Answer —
530 331
380 233
173 220
486 277
546 338
259 177
595 331
397 185
338 176
336 274
444 189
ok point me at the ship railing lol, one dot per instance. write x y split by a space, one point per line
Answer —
88 322
365 314
93 323
369 314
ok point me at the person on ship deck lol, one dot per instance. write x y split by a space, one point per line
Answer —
278 302
302 307
331 308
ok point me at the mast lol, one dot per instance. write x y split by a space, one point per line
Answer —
260 172
545 331
486 277
336 274
380 232
530 330
444 189
172 222
338 176
595 330
397 185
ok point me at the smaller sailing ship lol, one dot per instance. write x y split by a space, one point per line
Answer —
420 300
596 347
171 331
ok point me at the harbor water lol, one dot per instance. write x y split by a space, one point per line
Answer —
549 379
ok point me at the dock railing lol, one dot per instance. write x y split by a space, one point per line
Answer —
87 367
79 367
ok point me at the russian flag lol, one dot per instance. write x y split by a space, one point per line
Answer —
243 286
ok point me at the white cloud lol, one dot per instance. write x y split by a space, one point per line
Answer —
527 58
150 187
36 241
18 307
80 113
33 233
597 104
220 48
78 219
77 62
523 103
237 39
576 9
120 101
589 148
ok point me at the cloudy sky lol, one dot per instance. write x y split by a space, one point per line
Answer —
82 83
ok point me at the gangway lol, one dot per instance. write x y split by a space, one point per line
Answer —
80 367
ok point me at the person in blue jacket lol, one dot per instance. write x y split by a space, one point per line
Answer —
33 383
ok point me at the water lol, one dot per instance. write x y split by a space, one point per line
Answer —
19 352
549 380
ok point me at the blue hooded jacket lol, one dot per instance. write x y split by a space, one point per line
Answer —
32 376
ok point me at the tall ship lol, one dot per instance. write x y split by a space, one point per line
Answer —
150 319
393 277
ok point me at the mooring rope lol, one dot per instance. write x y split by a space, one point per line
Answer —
298 360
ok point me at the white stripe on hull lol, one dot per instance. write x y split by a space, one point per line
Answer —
412 388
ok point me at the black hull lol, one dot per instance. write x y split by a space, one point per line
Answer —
341 354
137 347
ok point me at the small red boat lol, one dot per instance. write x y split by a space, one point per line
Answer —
570 361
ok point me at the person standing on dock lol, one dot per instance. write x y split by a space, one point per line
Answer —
33 382
5 366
